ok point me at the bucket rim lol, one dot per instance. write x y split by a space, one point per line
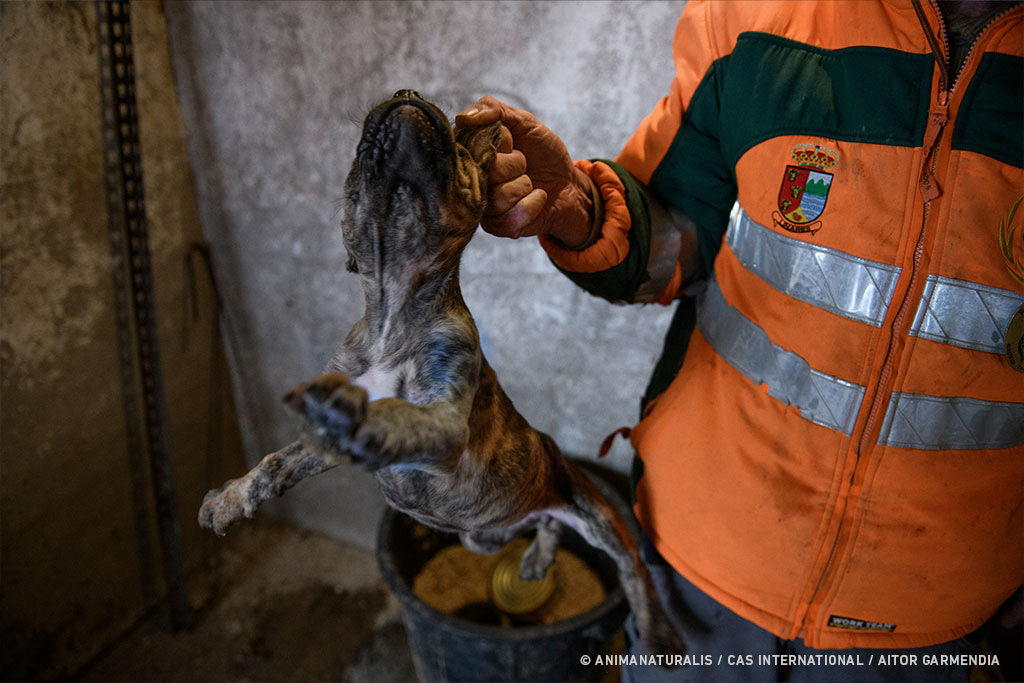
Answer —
613 601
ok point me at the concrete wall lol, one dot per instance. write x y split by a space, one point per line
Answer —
78 563
273 94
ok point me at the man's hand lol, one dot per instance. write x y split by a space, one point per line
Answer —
533 186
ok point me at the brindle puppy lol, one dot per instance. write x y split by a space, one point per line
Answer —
409 394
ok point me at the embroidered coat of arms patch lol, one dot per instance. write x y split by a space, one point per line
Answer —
805 188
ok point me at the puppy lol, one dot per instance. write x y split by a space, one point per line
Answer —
409 394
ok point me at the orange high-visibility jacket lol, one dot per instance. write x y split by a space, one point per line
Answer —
840 456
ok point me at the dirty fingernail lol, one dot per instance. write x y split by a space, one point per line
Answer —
469 113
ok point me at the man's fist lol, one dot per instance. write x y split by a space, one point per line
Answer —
533 186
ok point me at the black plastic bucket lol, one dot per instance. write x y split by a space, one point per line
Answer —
449 648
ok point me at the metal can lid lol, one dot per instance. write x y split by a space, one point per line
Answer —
513 595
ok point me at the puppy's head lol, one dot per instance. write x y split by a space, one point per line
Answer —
416 186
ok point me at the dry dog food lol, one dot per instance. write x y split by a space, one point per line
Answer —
456 581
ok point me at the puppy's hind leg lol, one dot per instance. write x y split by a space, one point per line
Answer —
541 553
594 518
537 557
491 541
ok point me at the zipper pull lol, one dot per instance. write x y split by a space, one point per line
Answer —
937 118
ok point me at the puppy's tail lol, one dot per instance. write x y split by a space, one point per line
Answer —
591 515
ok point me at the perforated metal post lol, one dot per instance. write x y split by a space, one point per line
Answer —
138 352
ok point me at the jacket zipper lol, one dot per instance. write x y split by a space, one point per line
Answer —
970 53
929 189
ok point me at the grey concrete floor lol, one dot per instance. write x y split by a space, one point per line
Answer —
288 604
293 605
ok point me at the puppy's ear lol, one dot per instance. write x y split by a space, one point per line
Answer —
480 141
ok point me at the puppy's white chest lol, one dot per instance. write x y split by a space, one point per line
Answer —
379 383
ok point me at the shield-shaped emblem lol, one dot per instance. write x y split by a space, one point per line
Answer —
803 193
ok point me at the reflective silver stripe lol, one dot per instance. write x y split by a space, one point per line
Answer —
846 285
964 313
957 312
938 422
822 399
911 420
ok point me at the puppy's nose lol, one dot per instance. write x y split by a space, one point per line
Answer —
408 95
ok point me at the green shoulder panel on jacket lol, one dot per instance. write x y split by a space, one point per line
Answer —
694 177
770 86
774 86
619 283
991 118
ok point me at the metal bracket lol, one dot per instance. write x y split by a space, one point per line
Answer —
138 353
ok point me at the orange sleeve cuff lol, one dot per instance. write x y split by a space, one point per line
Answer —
613 245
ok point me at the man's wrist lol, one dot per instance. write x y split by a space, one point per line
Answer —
582 224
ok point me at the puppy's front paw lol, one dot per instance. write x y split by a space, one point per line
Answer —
333 406
223 507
